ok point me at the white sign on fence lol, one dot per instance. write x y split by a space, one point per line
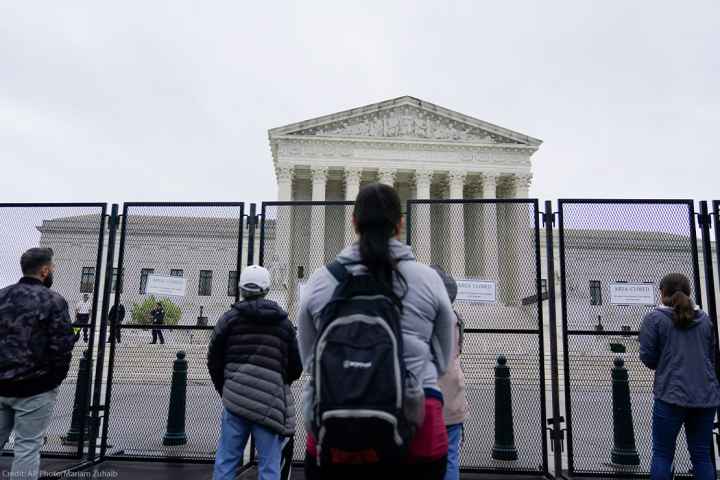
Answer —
632 293
162 285
476 291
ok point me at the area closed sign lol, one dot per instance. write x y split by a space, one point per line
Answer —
162 285
632 293
476 291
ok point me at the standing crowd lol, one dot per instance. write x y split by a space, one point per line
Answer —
380 344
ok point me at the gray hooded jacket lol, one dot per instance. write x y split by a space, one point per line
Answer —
683 359
427 320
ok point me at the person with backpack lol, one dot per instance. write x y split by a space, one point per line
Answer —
253 358
376 331
677 340
452 385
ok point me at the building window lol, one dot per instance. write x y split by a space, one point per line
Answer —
143 278
595 292
233 283
87 280
115 281
177 273
205 285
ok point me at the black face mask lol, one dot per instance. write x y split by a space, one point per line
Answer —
48 280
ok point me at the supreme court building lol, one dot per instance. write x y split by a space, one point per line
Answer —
426 152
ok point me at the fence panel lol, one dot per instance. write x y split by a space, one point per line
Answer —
494 245
297 238
201 243
613 254
75 233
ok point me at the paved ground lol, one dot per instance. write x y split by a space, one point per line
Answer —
178 471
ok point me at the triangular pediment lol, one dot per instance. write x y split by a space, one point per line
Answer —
405 118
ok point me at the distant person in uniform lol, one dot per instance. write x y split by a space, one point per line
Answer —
36 342
253 357
116 317
158 318
678 342
82 317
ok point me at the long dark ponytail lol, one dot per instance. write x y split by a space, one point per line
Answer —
377 214
675 290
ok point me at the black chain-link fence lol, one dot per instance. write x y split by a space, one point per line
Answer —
492 248
297 238
75 234
613 255
188 258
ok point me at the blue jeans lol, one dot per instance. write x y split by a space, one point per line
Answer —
29 418
233 438
667 421
455 433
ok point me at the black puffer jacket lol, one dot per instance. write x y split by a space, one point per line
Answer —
36 339
252 358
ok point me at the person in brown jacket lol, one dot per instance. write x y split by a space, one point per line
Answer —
452 385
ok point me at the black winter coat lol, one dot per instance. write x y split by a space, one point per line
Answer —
36 339
253 357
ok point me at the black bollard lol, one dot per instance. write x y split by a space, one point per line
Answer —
624 451
175 434
80 405
504 448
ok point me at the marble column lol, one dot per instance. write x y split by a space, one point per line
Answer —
352 188
456 223
387 176
421 220
517 241
278 255
317 219
491 270
523 241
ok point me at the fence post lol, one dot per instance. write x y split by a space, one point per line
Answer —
555 423
78 425
504 448
97 407
251 223
623 451
175 434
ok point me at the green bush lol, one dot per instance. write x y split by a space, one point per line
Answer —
141 311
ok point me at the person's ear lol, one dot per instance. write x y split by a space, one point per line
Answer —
399 227
44 271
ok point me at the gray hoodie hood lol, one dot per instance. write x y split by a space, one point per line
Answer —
427 319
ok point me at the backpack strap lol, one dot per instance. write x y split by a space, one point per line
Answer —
338 271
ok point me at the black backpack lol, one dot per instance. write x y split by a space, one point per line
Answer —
365 400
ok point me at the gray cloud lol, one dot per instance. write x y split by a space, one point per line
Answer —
172 101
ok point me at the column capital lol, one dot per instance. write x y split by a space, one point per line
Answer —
523 180
457 176
490 177
387 176
319 174
353 174
424 176
285 173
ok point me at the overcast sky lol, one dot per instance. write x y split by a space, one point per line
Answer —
140 100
